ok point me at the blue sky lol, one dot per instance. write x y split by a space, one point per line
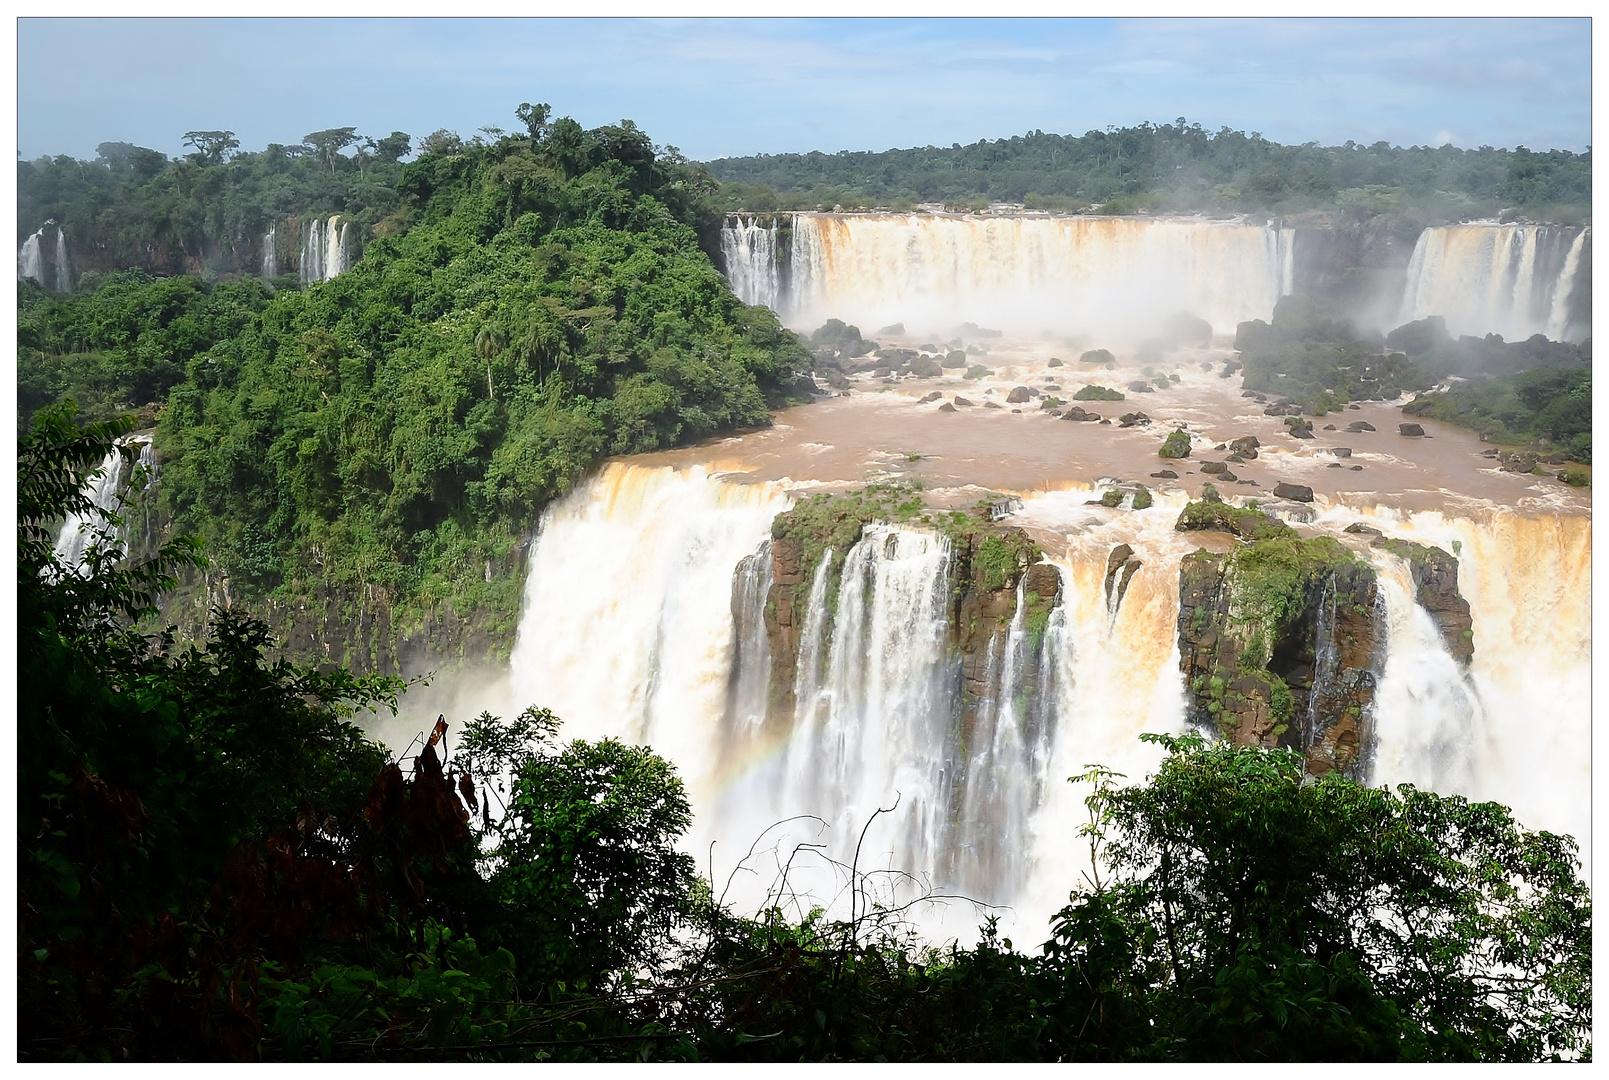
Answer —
731 87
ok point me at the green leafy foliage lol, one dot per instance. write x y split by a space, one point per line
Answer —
123 341
1551 404
1093 392
402 426
1179 166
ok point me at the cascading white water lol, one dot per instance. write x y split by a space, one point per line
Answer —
881 716
626 627
31 260
1489 278
270 264
1431 725
749 253
1516 726
1068 274
64 272
751 663
324 249
103 486
644 620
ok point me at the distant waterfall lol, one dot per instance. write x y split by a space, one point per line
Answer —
1120 276
31 260
324 249
270 263
64 273
103 487
1513 280
51 269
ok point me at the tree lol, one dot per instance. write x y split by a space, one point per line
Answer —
328 144
441 141
534 117
210 146
1254 913
582 853
393 148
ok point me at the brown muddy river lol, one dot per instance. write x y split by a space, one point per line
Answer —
881 431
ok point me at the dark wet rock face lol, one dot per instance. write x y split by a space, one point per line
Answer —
1121 566
1278 643
1359 425
1281 639
1293 492
1410 429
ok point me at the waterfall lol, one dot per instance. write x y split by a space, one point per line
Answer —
749 253
30 260
1516 725
750 680
1028 274
1007 752
1486 278
324 249
104 486
884 705
645 618
270 256
1559 314
64 273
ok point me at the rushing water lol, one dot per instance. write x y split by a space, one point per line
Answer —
644 615
1514 280
1027 274
104 487
324 249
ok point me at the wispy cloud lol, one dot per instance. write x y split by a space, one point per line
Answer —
722 86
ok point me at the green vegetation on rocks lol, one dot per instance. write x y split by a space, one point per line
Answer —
1101 357
1093 392
1247 522
1176 445
1553 405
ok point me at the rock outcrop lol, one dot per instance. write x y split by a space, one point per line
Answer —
1435 578
1278 644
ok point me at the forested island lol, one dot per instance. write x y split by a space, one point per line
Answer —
216 863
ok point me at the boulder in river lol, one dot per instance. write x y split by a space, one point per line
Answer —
946 407
1359 425
1019 394
961 401
1246 446
1293 492
934 396
1410 429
